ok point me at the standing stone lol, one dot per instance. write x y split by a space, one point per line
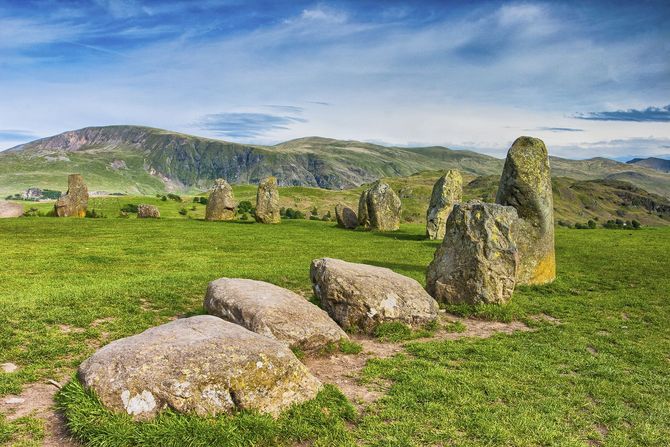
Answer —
148 212
346 217
526 185
267 202
477 262
360 296
221 203
446 192
9 209
379 208
202 365
75 201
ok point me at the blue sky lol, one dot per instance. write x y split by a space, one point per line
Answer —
590 78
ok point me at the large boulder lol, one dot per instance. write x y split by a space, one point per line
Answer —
477 262
202 365
148 212
447 191
346 217
379 208
267 202
10 209
75 201
221 203
526 185
360 296
272 311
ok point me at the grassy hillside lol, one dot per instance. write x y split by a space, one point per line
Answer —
596 375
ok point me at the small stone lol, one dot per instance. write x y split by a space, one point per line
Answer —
148 212
346 217
447 191
221 203
10 209
477 262
15 401
9 368
267 202
75 202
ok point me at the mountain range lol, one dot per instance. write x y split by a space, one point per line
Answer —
144 160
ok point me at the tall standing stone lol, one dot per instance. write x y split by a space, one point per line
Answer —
526 185
478 260
267 202
75 201
221 203
447 191
379 208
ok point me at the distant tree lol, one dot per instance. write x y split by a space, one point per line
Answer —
591 224
183 212
174 197
129 208
164 198
244 207
636 224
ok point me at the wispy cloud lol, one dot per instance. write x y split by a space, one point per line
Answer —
245 125
649 115
559 129
286 109
16 135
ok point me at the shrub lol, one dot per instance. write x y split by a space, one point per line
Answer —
244 207
636 224
93 214
183 211
129 208
174 197
327 217
164 198
591 224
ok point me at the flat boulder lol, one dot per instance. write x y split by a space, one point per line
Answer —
201 365
221 203
272 311
447 191
379 208
267 202
10 209
360 296
148 212
75 201
478 260
346 217
526 185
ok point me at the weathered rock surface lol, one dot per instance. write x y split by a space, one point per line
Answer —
75 201
379 208
447 191
526 185
267 202
477 262
346 217
148 212
10 209
360 296
221 203
272 311
202 365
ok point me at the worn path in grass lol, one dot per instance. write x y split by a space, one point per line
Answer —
601 377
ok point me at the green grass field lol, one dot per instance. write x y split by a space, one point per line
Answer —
601 377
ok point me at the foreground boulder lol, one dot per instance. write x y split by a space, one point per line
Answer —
148 212
526 185
75 201
447 191
477 262
346 217
221 203
10 209
267 202
272 311
379 208
360 296
202 365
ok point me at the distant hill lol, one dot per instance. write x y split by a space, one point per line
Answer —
659 164
144 160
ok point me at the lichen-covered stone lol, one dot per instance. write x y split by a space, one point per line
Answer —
10 209
272 311
202 365
477 262
221 203
267 202
360 296
75 202
148 212
346 217
379 208
526 185
447 191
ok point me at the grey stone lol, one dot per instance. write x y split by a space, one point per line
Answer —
221 203
202 365
10 209
447 191
148 212
346 217
75 202
267 202
379 208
